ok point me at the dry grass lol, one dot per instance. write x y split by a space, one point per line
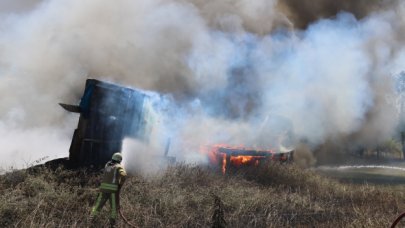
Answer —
183 196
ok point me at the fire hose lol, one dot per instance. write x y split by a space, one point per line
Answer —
397 220
124 218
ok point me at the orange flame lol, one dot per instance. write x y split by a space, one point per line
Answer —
245 160
220 158
223 163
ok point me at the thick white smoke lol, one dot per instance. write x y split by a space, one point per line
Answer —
239 72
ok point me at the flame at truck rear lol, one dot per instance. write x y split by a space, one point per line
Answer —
226 156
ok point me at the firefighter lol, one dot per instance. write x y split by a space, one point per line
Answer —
113 179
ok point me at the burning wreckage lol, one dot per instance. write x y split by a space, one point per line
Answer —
233 157
109 113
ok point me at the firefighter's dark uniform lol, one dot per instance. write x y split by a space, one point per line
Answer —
113 179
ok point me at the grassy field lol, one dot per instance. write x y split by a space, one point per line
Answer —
184 196
392 175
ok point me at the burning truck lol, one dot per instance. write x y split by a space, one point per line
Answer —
109 113
229 157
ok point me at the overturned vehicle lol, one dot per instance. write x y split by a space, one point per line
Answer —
108 114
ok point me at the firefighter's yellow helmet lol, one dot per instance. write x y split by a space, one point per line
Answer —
117 157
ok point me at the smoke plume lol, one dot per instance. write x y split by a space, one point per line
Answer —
237 72
305 12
